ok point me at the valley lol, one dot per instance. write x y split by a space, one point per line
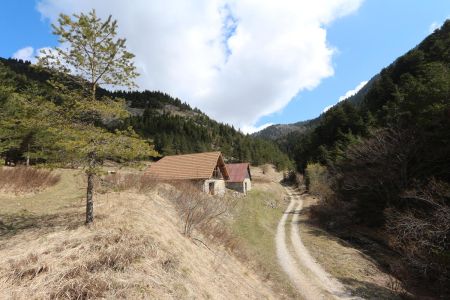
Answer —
110 190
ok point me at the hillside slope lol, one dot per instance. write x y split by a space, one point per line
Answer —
279 132
171 125
382 166
132 251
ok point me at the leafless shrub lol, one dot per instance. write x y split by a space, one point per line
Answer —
26 179
378 167
396 286
220 234
332 213
196 208
421 232
122 182
293 178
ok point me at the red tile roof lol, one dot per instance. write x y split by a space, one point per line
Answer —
188 166
238 172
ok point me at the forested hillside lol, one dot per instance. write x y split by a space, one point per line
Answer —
282 133
384 163
279 131
173 126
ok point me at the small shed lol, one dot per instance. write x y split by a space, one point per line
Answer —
207 169
240 177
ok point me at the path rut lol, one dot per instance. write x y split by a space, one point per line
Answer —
310 279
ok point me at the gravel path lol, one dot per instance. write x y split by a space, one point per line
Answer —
311 280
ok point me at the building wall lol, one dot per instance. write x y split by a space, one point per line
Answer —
219 186
249 184
240 186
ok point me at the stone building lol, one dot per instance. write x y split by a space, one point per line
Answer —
240 178
208 170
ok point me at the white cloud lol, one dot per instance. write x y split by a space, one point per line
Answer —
327 108
237 60
353 91
251 129
434 26
26 53
29 53
348 94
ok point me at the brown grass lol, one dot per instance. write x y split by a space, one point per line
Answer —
134 250
361 274
130 181
197 209
26 179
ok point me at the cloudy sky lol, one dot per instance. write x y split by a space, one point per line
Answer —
244 62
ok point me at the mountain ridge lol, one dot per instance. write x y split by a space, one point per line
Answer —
279 131
173 126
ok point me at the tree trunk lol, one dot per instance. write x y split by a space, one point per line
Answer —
28 155
89 199
94 90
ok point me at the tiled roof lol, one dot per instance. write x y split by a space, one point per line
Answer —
238 172
188 166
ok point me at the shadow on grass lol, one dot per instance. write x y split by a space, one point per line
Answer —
374 250
12 224
368 290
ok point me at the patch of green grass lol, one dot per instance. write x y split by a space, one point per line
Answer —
255 223
67 192
58 205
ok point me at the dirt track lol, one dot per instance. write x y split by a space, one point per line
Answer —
311 280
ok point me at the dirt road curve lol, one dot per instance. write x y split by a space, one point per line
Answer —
311 280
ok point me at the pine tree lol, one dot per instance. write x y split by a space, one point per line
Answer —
94 56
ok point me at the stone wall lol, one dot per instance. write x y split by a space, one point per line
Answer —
219 186
240 186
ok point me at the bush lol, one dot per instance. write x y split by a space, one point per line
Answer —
318 180
197 209
26 179
423 235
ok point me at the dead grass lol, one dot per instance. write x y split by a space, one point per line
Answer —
353 268
198 210
129 181
26 179
266 173
134 250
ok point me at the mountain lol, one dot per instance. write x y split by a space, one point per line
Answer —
358 98
280 131
380 161
274 132
170 124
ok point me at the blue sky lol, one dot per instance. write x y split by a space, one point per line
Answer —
365 41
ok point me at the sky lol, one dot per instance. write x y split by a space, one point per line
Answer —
249 63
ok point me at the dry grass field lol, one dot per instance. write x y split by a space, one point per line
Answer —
135 249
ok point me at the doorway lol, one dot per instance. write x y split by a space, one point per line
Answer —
211 188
